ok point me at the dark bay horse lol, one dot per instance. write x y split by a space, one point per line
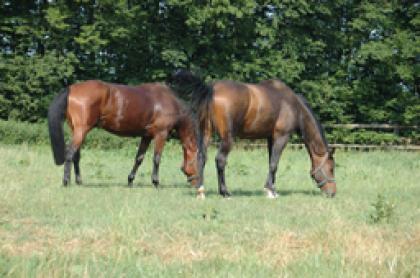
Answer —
150 110
269 110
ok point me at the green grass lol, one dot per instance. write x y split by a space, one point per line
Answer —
105 229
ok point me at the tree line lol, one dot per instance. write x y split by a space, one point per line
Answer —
355 61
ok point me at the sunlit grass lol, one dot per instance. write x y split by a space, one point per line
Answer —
104 228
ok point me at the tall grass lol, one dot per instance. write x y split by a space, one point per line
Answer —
106 229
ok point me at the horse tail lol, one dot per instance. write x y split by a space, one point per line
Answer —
56 114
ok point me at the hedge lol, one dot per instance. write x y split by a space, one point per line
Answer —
14 132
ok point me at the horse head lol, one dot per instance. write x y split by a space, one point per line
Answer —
323 174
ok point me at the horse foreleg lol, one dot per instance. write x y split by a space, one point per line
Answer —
76 160
276 147
221 159
159 144
144 144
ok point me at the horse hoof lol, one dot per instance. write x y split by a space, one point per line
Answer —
155 183
201 193
79 181
65 182
201 196
330 194
271 194
130 182
226 195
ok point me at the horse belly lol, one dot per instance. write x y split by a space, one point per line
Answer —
257 129
123 127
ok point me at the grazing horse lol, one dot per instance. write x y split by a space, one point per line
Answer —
269 110
150 110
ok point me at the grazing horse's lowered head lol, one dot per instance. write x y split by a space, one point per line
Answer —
323 173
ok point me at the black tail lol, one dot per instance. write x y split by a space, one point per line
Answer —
56 114
198 95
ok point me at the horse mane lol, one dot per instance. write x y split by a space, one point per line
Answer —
280 85
305 104
191 88
194 91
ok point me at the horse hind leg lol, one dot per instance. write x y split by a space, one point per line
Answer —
73 154
221 159
76 160
70 151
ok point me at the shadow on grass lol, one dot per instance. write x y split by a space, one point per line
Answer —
309 192
138 185
260 192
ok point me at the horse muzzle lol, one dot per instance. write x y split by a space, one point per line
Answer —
330 189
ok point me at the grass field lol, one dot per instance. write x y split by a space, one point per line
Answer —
104 229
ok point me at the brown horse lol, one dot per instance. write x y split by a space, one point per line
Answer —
151 111
269 110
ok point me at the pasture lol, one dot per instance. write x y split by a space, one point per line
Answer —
105 229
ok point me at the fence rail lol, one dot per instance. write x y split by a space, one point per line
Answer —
371 126
359 147
347 147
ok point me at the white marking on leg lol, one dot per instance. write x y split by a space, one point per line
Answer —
201 192
270 194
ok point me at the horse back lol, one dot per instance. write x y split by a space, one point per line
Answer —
252 110
141 110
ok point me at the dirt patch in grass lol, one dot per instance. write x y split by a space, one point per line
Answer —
283 248
26 238
380 248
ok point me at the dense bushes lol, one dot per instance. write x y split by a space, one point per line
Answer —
12 132
355 61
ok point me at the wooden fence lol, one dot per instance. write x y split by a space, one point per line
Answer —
347 147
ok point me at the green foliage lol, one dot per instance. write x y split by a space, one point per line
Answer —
360 136
383 210
13 132
29 83
354 61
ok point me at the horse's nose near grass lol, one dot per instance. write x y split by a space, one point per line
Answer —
329 190
330 194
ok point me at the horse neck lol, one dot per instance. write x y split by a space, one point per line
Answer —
312 135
